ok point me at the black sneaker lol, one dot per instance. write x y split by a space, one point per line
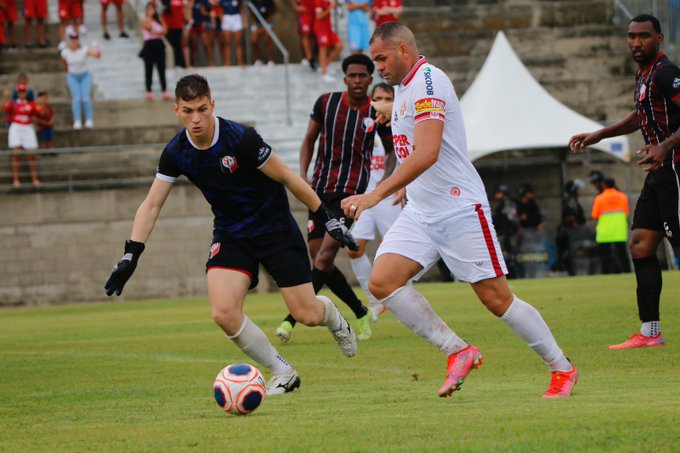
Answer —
124 35
107 36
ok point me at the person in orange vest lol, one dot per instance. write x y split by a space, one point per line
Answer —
611 211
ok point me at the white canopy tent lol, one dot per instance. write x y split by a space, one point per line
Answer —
505 108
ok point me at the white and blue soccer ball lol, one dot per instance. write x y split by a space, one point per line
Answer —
239 388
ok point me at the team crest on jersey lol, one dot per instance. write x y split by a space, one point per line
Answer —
643 92
368 124
455 192
214 250
676 83
402 109
310 225
229 164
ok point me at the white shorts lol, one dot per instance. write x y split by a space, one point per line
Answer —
466 241
380 217
22 136
232 22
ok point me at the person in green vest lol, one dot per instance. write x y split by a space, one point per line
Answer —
611 210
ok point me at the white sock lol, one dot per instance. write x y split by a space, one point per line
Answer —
651 328
254 343
416 313
331 315
362 269
528 324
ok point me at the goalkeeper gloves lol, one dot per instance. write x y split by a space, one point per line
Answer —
124 269
336 228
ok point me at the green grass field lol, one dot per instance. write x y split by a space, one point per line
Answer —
137 376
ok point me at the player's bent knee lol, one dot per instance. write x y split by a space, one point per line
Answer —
381 288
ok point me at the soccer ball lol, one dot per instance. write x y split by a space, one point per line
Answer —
239 388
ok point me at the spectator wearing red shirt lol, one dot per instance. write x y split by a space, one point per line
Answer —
306 15
70 17
8 15
328 41
45 121
386 11
120 18
21 134
174 15
35 9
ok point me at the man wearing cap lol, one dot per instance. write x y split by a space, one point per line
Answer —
21 135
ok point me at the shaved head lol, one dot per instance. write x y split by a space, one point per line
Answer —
395 33
393 49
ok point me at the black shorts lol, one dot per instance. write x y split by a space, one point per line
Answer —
283 255
332 202
657 207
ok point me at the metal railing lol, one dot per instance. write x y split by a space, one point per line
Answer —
668 13
284 53
83 168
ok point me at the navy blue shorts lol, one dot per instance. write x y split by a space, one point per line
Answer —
657 206
316 230
46 134
283 255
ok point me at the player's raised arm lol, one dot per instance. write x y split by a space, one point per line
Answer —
625 126
145 219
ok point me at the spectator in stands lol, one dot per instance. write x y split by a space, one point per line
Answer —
357 24
202 31
596 178
45 121
504 217
673 21
22 79
611 210
573 218
153 51
306 16
8 17
386 11
70 20
528 211
326 38
259 36
120 18
35 9
21 135
232 31
79 78
174 16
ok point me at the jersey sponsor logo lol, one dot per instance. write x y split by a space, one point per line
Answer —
378 163
643 92
368 124
214 250
401 146
427 73
455 192
229 164
430 108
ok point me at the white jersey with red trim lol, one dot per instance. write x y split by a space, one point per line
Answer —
377 164
426 93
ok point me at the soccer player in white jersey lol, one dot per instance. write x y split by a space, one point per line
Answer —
447 215
380 217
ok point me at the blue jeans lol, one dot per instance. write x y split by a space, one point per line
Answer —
80 86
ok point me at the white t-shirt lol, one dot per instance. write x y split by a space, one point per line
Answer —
76 60
426 93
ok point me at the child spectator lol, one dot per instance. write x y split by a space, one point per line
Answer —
120 18
386 11
328 41
306 15
259 35
357 24
45 121
70 17
8 16
35 9
21 134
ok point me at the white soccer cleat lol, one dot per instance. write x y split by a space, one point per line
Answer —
345 338
283 383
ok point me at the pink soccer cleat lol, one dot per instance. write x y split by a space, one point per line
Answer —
640 341
458 367
561 384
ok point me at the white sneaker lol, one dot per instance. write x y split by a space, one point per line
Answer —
77 124
89 124
271 64
283 383
304 62
328 78
345 338
258 63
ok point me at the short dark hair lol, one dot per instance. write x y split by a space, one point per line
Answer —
192 86
609 183
596 176
648 18
383 86
358 58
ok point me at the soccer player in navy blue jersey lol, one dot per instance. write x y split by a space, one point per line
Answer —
344 124
245 184
657 115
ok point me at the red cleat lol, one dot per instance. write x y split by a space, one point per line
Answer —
640 341
458 367
561 384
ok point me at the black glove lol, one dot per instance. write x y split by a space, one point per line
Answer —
124 269
336 228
